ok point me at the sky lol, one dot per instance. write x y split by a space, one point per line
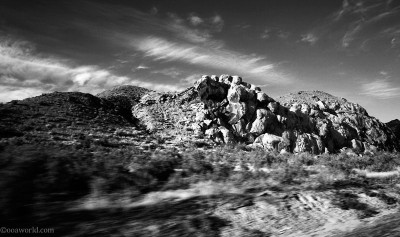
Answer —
348 48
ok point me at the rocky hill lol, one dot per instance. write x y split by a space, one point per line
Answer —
216 110
227 110
60 117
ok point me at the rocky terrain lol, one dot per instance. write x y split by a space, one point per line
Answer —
221 158
228 110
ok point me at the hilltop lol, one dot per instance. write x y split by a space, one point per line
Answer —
133 93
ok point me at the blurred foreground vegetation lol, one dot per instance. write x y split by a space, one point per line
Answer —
37 182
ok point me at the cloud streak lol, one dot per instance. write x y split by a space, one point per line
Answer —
252 66
360 25
380 89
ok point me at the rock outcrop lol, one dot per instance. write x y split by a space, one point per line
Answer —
313 122
228 110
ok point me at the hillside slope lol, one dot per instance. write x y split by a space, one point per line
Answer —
61 117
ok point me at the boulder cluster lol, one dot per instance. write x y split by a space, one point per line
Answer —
232 110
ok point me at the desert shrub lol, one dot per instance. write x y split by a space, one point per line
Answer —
161 166
290 173
306 159
196 163
382 161
385 161
222 171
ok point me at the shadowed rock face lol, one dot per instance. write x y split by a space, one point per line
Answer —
394 125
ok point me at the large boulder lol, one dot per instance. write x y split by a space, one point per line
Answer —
269 141
309 143
209 89
238 93
236 111
227 135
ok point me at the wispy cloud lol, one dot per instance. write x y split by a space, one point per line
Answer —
154 11
283 34
266 34
274 32
195 20
242 26
195 29
309 38
179 27
367 20
350 35
19 65
358 24
381 89
142 67
22 74
217 22
393 33
172 72
252 66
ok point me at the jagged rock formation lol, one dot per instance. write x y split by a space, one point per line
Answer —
228 110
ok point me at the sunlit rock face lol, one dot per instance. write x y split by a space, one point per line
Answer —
227 110
307 121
